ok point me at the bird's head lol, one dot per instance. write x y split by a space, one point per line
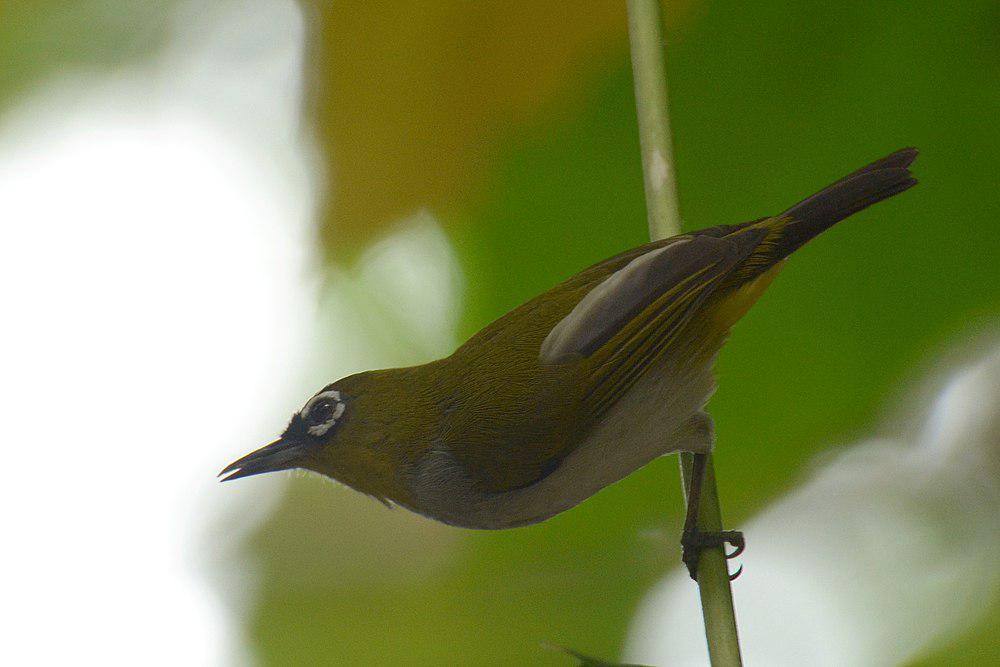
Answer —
347 431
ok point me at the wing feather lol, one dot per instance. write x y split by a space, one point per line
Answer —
629 320
690 263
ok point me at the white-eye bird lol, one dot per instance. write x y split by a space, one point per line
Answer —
571 391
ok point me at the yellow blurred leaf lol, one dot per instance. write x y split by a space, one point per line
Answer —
411 100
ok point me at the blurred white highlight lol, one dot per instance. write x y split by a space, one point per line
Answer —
885 554
152 271
398 306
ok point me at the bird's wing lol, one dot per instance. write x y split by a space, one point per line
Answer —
627 320
659 286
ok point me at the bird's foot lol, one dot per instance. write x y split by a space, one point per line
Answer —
695 541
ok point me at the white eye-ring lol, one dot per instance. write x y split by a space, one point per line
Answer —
322 411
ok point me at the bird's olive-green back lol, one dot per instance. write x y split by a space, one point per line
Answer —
512 418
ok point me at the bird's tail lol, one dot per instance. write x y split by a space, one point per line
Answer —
866 186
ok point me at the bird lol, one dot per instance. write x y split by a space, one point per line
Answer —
571 391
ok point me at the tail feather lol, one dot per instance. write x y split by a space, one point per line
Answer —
869 185
901 159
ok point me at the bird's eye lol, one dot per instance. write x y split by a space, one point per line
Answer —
321 411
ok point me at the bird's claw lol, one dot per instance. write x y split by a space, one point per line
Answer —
735 538
696 541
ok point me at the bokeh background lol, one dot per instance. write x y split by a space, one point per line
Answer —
209 211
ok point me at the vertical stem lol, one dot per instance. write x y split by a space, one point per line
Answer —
649 72
713 574
650 77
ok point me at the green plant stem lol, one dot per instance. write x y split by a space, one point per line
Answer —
649 72
713 574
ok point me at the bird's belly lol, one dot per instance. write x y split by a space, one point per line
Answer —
660 415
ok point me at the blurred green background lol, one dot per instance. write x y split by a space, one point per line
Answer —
513 124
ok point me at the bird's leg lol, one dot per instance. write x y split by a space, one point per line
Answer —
694 541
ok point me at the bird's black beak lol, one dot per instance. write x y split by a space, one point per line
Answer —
282 454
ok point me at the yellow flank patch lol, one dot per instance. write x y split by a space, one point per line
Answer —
737 302
643 340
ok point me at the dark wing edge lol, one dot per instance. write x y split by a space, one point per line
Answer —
671 277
